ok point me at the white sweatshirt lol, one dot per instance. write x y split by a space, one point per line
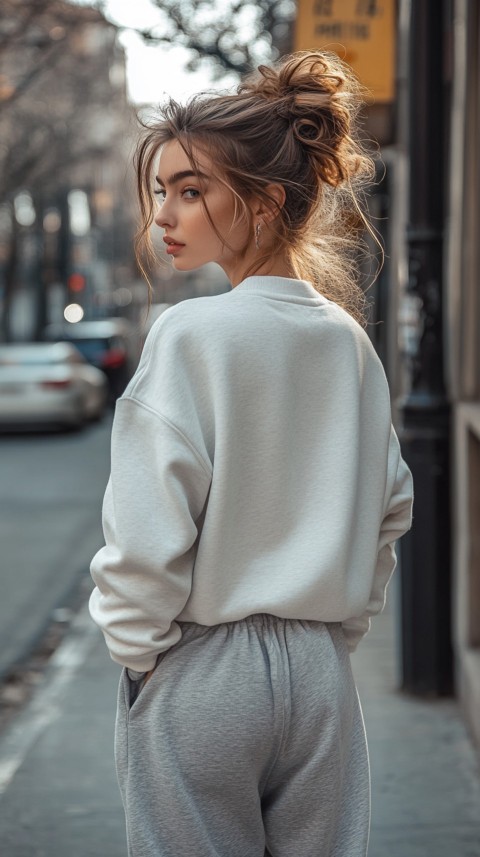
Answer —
254 469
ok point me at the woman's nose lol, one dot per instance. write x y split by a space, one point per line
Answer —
163 217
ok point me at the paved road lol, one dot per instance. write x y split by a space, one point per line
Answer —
51 491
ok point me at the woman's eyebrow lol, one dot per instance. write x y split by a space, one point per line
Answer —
183 174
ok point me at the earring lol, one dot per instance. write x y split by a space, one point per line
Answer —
257 236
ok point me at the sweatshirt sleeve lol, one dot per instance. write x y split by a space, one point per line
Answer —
157 489
397 520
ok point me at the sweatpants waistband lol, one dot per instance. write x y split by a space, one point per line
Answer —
258 622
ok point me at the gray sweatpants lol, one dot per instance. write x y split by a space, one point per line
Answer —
248 740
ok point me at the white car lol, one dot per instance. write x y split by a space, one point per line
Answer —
48 384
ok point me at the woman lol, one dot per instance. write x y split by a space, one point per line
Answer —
257 486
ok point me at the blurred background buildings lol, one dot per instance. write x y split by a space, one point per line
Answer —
65 126
67 220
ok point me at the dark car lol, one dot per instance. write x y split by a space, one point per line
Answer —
105 343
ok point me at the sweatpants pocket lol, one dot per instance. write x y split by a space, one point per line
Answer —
134 688
124 707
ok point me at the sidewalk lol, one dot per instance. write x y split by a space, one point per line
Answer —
60 795
425 771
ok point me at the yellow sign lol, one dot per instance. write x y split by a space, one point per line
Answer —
361 32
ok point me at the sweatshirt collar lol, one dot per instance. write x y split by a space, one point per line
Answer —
282 288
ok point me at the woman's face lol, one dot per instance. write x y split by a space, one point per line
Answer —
190 239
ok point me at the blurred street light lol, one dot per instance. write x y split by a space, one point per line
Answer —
24 209
73 313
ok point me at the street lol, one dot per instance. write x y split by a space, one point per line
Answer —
50 509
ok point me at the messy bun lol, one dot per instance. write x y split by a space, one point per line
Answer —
319 100
292 124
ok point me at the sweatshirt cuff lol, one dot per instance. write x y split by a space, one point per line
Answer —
135 675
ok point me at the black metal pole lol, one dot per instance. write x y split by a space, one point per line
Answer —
425 410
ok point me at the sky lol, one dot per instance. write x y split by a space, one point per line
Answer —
153 72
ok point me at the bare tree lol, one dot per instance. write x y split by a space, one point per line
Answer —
54 90
54 126
34 35
235 35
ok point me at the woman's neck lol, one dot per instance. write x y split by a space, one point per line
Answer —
277 267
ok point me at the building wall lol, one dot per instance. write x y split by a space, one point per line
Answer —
463 349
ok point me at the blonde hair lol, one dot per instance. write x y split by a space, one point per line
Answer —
292 124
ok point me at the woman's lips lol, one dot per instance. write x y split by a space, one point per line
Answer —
173 246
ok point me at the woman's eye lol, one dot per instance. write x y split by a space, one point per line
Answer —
188 192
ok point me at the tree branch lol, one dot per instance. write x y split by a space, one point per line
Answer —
185 19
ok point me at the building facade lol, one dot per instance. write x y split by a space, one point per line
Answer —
67 205
457 90
462 265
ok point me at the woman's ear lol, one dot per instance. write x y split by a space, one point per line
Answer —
269 208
